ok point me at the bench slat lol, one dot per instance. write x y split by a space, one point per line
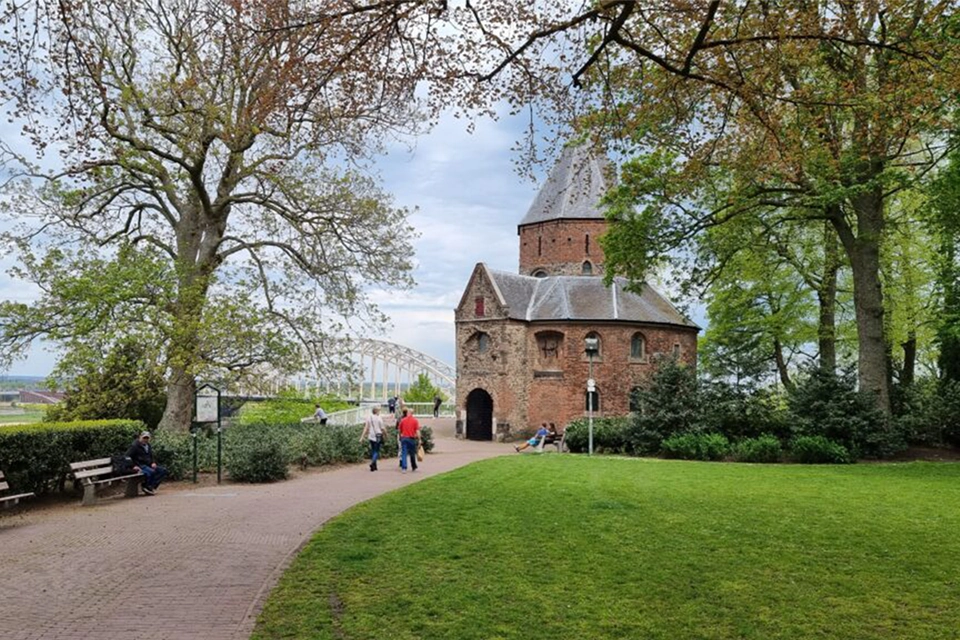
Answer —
99 462
115 478
3 485
16 497
92 473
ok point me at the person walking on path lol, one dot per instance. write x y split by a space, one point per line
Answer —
409 440
437 401
141 453
373 432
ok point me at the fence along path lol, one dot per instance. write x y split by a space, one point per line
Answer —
192 562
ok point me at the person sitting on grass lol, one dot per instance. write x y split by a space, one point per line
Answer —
535 440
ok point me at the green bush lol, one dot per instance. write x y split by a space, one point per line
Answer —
609 435
764 448
670 405
830 406
740 413
928 412
37 457
818 450
696 446
257 454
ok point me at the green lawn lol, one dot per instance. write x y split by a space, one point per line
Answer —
24 414
562 546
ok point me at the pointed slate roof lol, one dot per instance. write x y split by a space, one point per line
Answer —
578 298
573 189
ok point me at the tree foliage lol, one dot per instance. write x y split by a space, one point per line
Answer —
423 390
220 147
126 382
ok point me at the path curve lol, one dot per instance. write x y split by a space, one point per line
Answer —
189 563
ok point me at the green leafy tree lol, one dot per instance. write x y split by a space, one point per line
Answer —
724 109
422 390
944 210
125 382
221 148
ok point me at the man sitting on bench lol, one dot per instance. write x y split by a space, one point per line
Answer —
142 455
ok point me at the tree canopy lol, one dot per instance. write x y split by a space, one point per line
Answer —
210 185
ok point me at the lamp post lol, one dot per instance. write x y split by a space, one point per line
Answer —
592 347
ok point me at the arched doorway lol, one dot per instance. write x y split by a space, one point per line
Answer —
479 415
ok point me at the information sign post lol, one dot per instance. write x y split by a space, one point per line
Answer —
207 407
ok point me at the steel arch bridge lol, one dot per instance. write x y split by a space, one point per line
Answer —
386 369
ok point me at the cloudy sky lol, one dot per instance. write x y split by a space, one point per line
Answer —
468 199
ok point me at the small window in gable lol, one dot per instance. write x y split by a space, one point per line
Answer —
539 273
483 342
586 245
478 306
638 347
587 268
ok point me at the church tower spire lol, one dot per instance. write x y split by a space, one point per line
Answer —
558 236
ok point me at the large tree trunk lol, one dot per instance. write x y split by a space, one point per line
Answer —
827 298
197 239
864 253
178 413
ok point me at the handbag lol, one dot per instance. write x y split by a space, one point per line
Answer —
420 453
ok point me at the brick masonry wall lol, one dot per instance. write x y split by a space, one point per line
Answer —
560 247
563 399
528 389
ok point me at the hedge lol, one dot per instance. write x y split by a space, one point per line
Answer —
37 457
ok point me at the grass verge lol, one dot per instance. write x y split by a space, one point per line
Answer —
570 547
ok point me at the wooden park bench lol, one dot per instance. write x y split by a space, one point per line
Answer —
556 439
94 474
8 500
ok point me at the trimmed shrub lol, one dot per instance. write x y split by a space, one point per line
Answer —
818 450
37 457
764 448
609 435
696 446
257 454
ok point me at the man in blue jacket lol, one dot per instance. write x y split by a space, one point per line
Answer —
141 452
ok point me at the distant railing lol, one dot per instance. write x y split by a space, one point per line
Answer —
356 415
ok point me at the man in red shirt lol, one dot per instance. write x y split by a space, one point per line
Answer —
409 440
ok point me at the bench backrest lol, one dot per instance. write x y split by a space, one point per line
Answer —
3 483
91 468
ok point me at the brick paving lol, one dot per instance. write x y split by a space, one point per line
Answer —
194 561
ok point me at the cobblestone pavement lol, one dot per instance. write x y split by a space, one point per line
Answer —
194 561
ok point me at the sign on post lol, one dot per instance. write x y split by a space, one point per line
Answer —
207 409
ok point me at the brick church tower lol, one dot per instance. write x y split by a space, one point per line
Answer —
521 357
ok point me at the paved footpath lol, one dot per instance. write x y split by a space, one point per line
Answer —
191 562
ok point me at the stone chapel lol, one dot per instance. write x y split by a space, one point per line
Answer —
521 350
